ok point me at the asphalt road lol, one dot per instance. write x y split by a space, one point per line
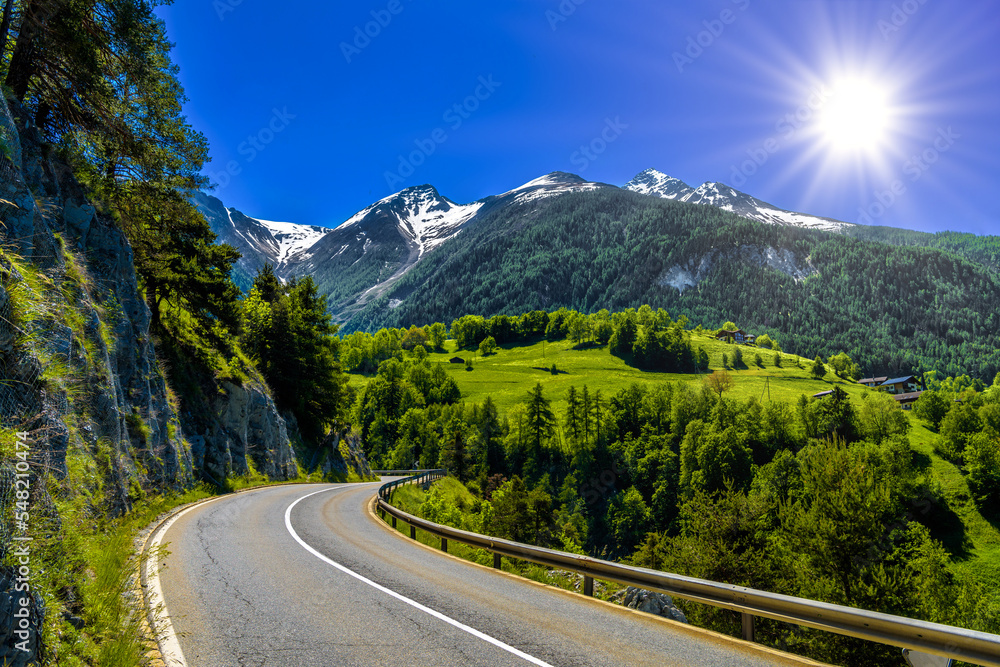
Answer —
250 583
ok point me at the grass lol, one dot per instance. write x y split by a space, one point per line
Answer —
508 375
972 539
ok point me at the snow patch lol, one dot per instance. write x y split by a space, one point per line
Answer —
293 238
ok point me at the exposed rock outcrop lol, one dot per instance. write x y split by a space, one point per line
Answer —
105 393
695 269
343 454
244 432
652 602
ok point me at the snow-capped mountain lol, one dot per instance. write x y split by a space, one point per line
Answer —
421 214
551 185
376 246
363 258
658 184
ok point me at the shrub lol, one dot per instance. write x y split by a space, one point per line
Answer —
488 346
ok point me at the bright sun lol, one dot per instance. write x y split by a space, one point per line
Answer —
856 117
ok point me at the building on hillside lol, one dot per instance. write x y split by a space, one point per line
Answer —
906 390
871 383
907 400
821 394
901 385
457 360
739 336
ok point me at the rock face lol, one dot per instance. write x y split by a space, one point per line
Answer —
244 432
695 269
78 364
344 454
651 602
86 375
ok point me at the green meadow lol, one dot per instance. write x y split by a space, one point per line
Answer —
508 375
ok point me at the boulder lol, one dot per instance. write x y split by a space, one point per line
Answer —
652 602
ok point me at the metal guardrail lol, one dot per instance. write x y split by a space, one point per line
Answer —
943 640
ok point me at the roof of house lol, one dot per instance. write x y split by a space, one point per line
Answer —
899 380
822 394
908 397
878 380
725 332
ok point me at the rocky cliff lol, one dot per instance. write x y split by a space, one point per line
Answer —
78 364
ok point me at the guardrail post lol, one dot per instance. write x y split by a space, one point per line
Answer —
444 544
393 522
748 627
497 558
588 586
413 532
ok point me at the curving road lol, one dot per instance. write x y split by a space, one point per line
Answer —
305 575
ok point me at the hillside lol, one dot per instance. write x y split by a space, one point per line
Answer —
757 484
507 375
896 308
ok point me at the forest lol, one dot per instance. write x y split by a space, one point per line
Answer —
820 498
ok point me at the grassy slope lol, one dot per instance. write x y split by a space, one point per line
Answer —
973 540
508 375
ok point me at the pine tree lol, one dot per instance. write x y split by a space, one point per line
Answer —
572 416
540 423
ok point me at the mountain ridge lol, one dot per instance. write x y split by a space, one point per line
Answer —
423 220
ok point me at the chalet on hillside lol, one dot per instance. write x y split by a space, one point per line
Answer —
907 400
901 385
821 394
906 389
739 336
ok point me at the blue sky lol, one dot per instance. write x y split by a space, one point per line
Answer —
314 110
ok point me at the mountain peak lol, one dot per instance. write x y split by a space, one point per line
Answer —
656 183
553 178
417 190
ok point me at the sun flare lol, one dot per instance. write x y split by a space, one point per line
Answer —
856 117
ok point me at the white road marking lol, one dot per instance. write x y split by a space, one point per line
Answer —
173 656
402 598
